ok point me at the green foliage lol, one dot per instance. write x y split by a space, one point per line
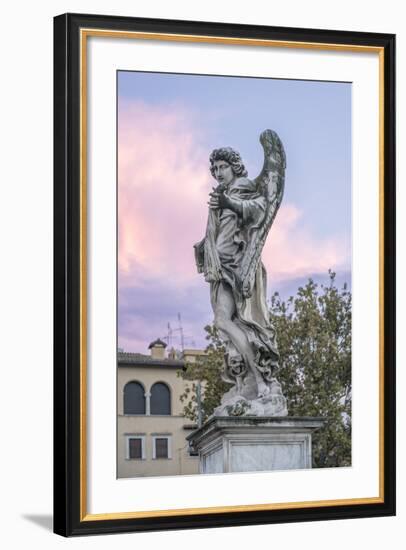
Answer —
207 371
314 343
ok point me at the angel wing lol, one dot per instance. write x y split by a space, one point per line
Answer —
271 183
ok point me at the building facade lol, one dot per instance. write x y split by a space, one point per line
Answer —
151 428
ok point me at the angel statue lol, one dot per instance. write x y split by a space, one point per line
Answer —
241 212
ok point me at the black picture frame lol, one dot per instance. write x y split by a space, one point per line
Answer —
69 517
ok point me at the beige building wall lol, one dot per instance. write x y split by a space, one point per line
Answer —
192 355
175 426
148 376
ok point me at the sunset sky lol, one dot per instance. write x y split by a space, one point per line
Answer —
167 127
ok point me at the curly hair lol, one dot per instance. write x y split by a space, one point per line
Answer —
228 154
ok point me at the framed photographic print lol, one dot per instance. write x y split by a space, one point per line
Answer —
224 274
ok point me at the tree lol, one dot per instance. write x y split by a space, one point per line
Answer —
314 341
206 371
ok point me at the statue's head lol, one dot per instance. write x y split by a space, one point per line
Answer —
224 159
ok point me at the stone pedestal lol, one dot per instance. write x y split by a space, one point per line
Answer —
251 443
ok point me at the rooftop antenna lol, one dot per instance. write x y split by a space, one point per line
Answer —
182 340
170 335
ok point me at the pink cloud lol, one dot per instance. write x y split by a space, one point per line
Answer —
164 182
163 187
292 251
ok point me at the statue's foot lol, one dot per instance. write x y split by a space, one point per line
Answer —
263 390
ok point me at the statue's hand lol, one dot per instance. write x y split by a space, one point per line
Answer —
224 201
232 204
214 201
219 200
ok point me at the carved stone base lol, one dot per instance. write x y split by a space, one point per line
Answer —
249 444
242 400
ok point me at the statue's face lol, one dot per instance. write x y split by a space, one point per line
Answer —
223 172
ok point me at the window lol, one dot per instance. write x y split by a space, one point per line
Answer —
135 447
134 398
160 399
162 446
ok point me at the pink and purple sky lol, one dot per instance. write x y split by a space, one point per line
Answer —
167 127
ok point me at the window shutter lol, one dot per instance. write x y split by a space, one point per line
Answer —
135 448
161 447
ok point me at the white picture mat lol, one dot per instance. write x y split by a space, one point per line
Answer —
106 493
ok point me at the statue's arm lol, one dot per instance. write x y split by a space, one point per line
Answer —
249 210
254 210
236 205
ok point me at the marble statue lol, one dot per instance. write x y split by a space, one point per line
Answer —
241 213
